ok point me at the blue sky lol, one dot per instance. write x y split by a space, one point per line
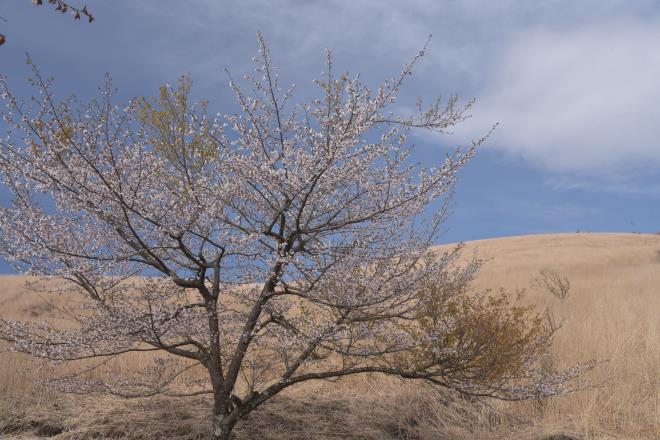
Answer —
575 86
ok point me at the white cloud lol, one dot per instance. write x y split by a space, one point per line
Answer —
580 100
574 84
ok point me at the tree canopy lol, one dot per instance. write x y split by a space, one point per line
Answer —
282 243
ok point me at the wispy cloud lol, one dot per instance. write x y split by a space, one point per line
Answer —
573 84
581 100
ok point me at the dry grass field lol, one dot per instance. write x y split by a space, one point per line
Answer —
611 314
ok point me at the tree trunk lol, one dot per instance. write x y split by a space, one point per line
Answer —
223 420
221 428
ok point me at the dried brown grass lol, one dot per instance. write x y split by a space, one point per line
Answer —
611 314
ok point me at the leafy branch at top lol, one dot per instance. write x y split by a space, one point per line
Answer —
60 6
65 7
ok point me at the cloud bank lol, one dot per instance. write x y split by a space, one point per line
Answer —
574 85
580 100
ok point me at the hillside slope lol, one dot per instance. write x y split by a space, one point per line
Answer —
611 313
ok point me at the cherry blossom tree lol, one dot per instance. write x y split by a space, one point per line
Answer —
282 244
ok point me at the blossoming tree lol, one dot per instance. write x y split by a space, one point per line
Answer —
283 244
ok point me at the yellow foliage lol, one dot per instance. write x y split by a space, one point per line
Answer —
486 336
175 128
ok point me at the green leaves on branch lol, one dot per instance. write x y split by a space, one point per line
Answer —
177 129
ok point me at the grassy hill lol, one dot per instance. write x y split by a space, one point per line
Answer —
611 314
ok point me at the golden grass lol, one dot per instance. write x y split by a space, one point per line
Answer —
612 314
